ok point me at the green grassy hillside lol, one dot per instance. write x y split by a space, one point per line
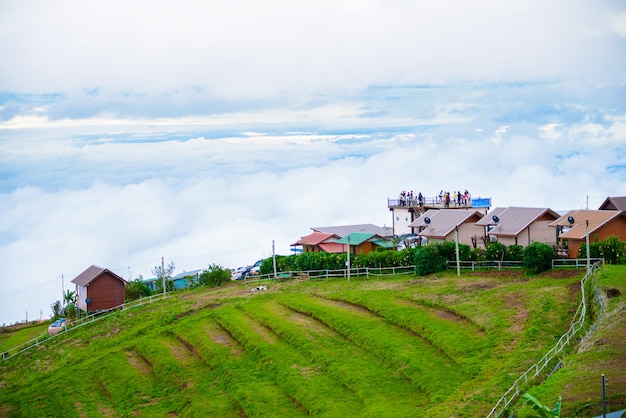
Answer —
439 346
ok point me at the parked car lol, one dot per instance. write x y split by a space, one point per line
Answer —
238 273
57 326
256 268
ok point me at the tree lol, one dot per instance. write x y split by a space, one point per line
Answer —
57 309
69 301
214 276
69 297
164 274
136 289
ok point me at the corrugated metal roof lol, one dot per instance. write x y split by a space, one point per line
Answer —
384 243
344 230
357 238
614 203
332 247
92 273
488 219
444 221
514 220
186 274
597 219
313 238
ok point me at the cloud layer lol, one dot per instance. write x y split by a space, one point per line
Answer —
202 132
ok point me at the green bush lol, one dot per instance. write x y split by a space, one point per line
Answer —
537 257
214 276
514 253
430 259
136 289
495 251
611 249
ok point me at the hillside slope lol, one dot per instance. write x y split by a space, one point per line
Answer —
403 346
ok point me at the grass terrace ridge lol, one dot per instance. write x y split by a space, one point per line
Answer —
436 346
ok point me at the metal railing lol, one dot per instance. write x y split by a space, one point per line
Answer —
576 326
574 262
40 339
486 264
435 201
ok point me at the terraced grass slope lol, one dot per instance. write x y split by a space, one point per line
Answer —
437 346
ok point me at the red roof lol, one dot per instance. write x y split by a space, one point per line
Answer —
314 238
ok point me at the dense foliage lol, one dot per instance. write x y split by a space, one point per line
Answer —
427 259
214 276
611 249
136 289
537 257
335 261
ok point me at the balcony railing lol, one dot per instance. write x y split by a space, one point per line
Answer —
436 202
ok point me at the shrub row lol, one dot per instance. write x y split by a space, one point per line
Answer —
428 259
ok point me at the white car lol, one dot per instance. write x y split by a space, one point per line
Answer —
237 274
256 267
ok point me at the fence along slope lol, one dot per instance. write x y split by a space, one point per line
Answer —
576 326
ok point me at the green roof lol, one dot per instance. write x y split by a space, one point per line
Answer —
384 243
355 238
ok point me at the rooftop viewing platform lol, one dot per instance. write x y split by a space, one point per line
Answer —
442 201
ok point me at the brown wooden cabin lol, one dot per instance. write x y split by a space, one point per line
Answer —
98 289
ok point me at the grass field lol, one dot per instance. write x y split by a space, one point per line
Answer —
439 346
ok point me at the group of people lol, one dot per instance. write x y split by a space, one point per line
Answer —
409 199
457 198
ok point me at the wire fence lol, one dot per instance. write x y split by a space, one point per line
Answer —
573 333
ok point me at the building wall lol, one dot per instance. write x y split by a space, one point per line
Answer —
467 231
401 218
81 295
363 248
105 292
616 227
538 231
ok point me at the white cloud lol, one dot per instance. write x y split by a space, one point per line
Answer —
251 49
202 131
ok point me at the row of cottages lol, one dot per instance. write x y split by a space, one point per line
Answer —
513 225
361 238
522 226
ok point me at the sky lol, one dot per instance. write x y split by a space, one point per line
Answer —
207 132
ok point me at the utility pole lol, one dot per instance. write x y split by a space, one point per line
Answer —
62 289
348 262
587 245
603 396
163 275
274 259
456 249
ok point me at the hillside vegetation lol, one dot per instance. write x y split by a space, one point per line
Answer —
436 346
